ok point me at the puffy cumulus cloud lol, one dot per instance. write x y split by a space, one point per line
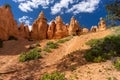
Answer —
59 6
77 6
85 6
28 5
26 20
18 0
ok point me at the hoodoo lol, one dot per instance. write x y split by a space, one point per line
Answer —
74 27
61 29
39 28
102 24
51 30
94 29
8 26
24 31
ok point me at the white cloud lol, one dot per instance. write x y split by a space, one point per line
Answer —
18 0
59 6
26 20
85 6
77 6
28 5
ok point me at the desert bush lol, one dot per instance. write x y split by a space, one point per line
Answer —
12 38
52 45
54 76
31 55
50 42
117 64
38 44
47 50
103 49
63 40
1 43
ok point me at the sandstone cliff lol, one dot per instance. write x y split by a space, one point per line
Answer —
40 29
8 26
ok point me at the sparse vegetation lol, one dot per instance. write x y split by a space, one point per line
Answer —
52 45
115 30
1 43
112 78
12 38
31 55
103 49
47 50
54 76
37 44
117 64
63 40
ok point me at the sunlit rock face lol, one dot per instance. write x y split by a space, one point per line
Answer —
74 27
8 26
61 29
85 30
102 25
51 30
39 28
94 29
24 31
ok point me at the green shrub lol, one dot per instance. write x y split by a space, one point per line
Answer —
52 45
103 49
112 78
117 64
47 50
12 38
50 42
31 55
1 43
38 44
54 76
61 41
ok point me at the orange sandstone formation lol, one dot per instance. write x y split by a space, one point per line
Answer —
39 28
85 30
74 27
8 26
61 29
102 25
51 30
94 29
23 31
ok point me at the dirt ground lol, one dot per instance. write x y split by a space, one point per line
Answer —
58 59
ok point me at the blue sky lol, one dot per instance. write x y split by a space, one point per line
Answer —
87 12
